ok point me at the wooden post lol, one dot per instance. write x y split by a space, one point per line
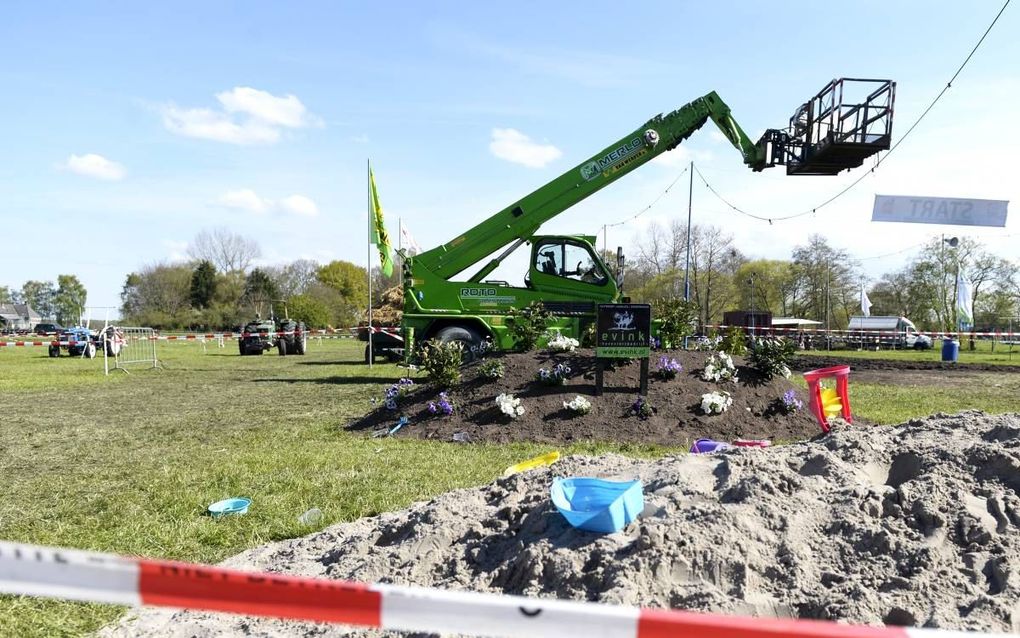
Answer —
643 391
600 369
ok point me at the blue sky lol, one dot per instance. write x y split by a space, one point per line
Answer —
127 128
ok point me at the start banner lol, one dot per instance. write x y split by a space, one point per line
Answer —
939 210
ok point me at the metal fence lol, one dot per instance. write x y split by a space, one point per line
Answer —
130 346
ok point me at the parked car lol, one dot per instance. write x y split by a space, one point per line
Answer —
45 329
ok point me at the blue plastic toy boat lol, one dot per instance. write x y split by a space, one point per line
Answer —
595 505
229 506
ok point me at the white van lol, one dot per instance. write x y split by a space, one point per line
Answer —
891 332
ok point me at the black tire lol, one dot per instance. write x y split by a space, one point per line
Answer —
240 348
90 351
281 346
468 337
54 351
301 344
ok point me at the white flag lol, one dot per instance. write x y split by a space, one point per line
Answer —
407 241
964 300
865 302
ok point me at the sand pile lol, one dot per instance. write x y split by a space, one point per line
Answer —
917 524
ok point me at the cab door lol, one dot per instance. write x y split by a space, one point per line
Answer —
568 267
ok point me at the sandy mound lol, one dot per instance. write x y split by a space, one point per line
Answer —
917 524
678 419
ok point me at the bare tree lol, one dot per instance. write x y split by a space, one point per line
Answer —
228 251
294 278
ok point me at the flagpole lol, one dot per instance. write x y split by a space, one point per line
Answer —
368 178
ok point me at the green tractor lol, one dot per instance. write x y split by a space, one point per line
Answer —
287 335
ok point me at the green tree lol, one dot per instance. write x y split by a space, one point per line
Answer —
307 308
827 283
5 295
767 284
259 288
39 296
349 280
203 285
158 296
69 300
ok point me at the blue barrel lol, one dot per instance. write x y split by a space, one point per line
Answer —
950 350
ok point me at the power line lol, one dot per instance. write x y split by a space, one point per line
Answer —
857 181
649 206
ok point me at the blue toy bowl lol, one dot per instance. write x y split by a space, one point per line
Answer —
229 506
595 505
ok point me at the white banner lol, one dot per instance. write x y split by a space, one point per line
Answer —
939 210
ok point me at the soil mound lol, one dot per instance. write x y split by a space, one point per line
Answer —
911 525
678 419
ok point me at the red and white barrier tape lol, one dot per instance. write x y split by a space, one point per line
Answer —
28 344
865 334
105 578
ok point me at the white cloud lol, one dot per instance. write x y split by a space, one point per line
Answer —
92 165
248 200
249 116
718 137
299 205
177 250
513 146
285 111
245 199
360 139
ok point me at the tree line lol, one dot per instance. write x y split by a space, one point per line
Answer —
821 282
63 301
220 288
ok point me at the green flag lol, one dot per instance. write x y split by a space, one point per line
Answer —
379 236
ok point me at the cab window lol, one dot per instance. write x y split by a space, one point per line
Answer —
570 261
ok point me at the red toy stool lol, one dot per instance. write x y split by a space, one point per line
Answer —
823 401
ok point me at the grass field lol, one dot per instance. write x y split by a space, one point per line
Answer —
128 463
985 351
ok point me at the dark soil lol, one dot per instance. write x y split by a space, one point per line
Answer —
678 419
815 362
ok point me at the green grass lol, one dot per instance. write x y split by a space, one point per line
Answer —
128 463
983 353
893 404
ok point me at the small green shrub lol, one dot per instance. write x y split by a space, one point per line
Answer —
772 356
528 324
642 409
679 319
733 342
441 362
492 369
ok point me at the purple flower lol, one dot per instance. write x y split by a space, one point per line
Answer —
668 368
790 401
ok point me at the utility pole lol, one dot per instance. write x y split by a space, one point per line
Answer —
687 267
751 281
828 333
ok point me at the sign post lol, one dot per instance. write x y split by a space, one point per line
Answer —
623 332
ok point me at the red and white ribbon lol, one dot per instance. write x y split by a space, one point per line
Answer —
104 578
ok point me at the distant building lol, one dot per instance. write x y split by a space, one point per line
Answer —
18 316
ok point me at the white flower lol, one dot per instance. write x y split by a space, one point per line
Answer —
509 405
559 343
579 404
716 402
719 367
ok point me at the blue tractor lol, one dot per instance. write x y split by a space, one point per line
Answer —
79 342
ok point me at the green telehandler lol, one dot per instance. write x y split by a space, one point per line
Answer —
827 134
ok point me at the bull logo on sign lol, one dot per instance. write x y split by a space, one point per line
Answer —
623 320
